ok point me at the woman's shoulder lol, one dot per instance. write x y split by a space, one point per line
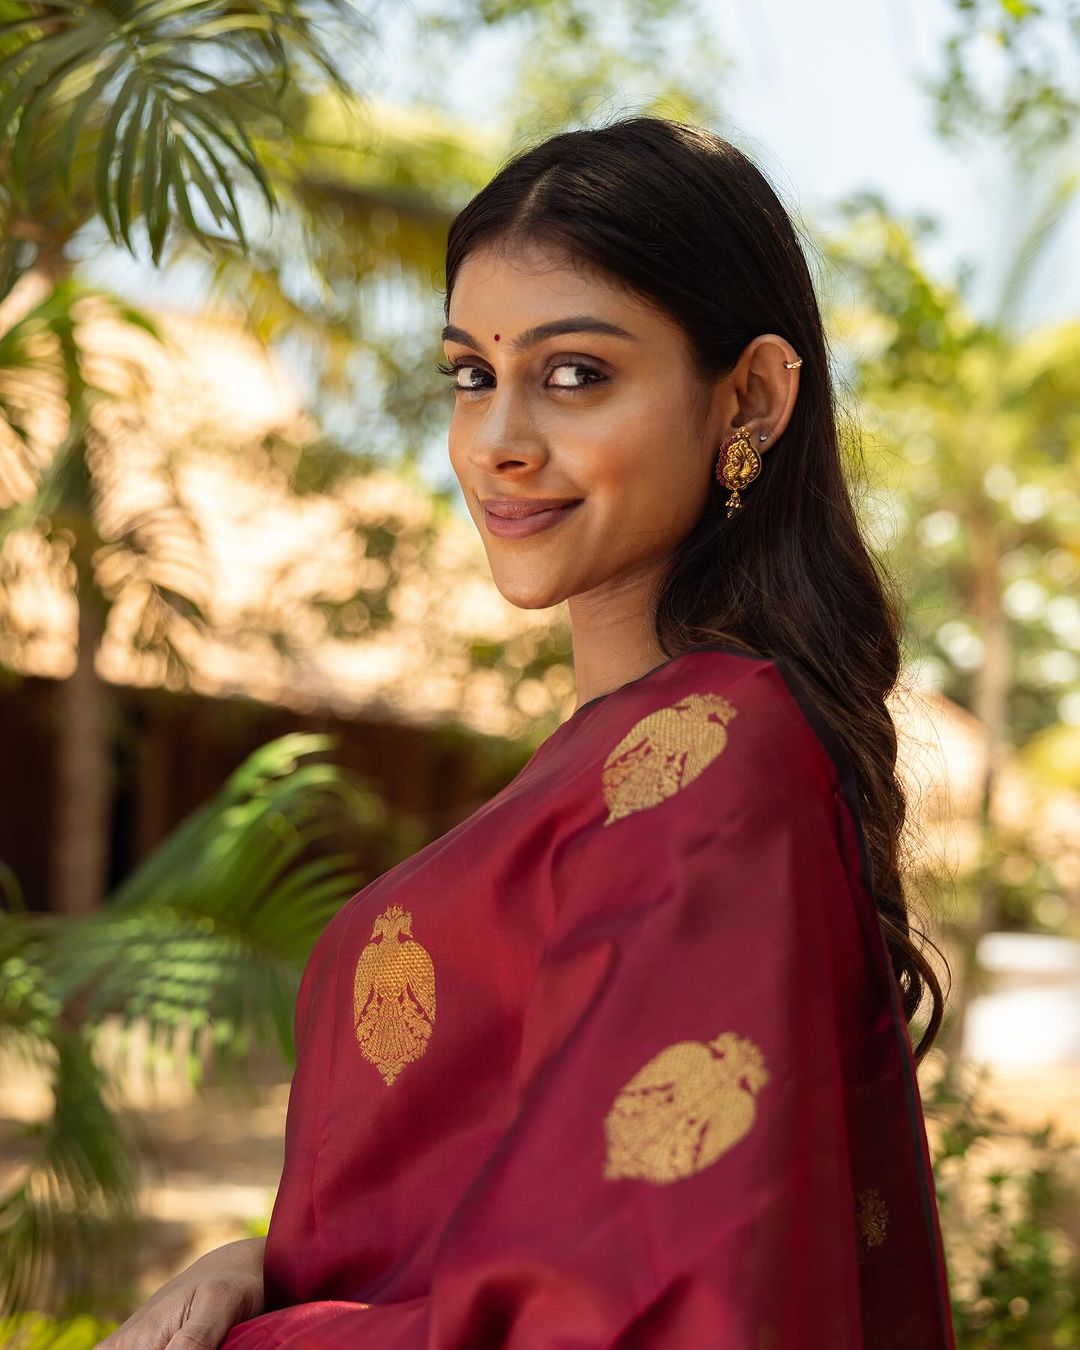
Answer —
781 752
776 691
760 709
713 770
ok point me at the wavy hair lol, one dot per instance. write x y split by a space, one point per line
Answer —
684 218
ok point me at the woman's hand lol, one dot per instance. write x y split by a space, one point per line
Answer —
196 1309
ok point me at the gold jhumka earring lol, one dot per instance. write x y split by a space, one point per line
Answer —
738 464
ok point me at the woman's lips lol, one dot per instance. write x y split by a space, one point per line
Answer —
508 528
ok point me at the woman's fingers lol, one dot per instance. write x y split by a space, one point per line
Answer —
196 1309
217 1306
198 1336
185 1319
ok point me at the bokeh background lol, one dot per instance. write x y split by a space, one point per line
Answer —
250 652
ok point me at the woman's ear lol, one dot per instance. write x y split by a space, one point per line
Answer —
764 388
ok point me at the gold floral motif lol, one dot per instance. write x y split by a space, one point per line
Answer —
393 995
663 752
690 1103
873 1217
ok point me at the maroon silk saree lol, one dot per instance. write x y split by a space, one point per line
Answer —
617 1061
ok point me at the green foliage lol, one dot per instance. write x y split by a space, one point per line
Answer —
67 1225
1054 756
969 434
1009 1227
149 99
65 1221
580 59
971 431
212 930
203 946
37 1331
1030 97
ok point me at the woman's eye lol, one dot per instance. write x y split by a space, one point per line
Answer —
472 376
471 381
586 374
461 386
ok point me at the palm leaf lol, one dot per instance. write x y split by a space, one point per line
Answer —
211 933
141 75
29 374
75 1182
68 1223
77 116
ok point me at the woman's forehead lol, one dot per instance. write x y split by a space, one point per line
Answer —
511 293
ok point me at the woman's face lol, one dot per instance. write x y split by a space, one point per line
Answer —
604 419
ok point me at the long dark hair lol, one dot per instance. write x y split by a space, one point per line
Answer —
685 218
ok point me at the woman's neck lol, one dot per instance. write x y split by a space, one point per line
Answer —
613 635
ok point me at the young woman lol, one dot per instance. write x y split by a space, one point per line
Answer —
623 1059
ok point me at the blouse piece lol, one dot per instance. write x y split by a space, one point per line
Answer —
618 1061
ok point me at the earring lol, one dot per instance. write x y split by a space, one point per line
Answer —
738 464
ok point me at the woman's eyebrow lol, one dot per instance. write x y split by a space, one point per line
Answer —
577 323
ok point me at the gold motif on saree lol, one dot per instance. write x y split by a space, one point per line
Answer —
690 1103
873 1217
393 995
664 752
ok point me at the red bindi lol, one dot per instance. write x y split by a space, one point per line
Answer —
496 337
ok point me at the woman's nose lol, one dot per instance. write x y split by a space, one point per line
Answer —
506 429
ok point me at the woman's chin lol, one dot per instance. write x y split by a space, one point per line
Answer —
526 593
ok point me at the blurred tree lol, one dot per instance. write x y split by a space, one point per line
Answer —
1007 1195
983 520
1011 71
985 526
49 487
577 59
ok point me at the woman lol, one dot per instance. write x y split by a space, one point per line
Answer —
623 1059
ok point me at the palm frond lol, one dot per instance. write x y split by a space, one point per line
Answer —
42 358
211 933
75 1178
166 90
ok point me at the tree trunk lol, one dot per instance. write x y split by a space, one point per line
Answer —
84 772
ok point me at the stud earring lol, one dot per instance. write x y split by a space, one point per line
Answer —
738 464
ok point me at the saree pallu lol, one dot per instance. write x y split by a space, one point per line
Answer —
617 1061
